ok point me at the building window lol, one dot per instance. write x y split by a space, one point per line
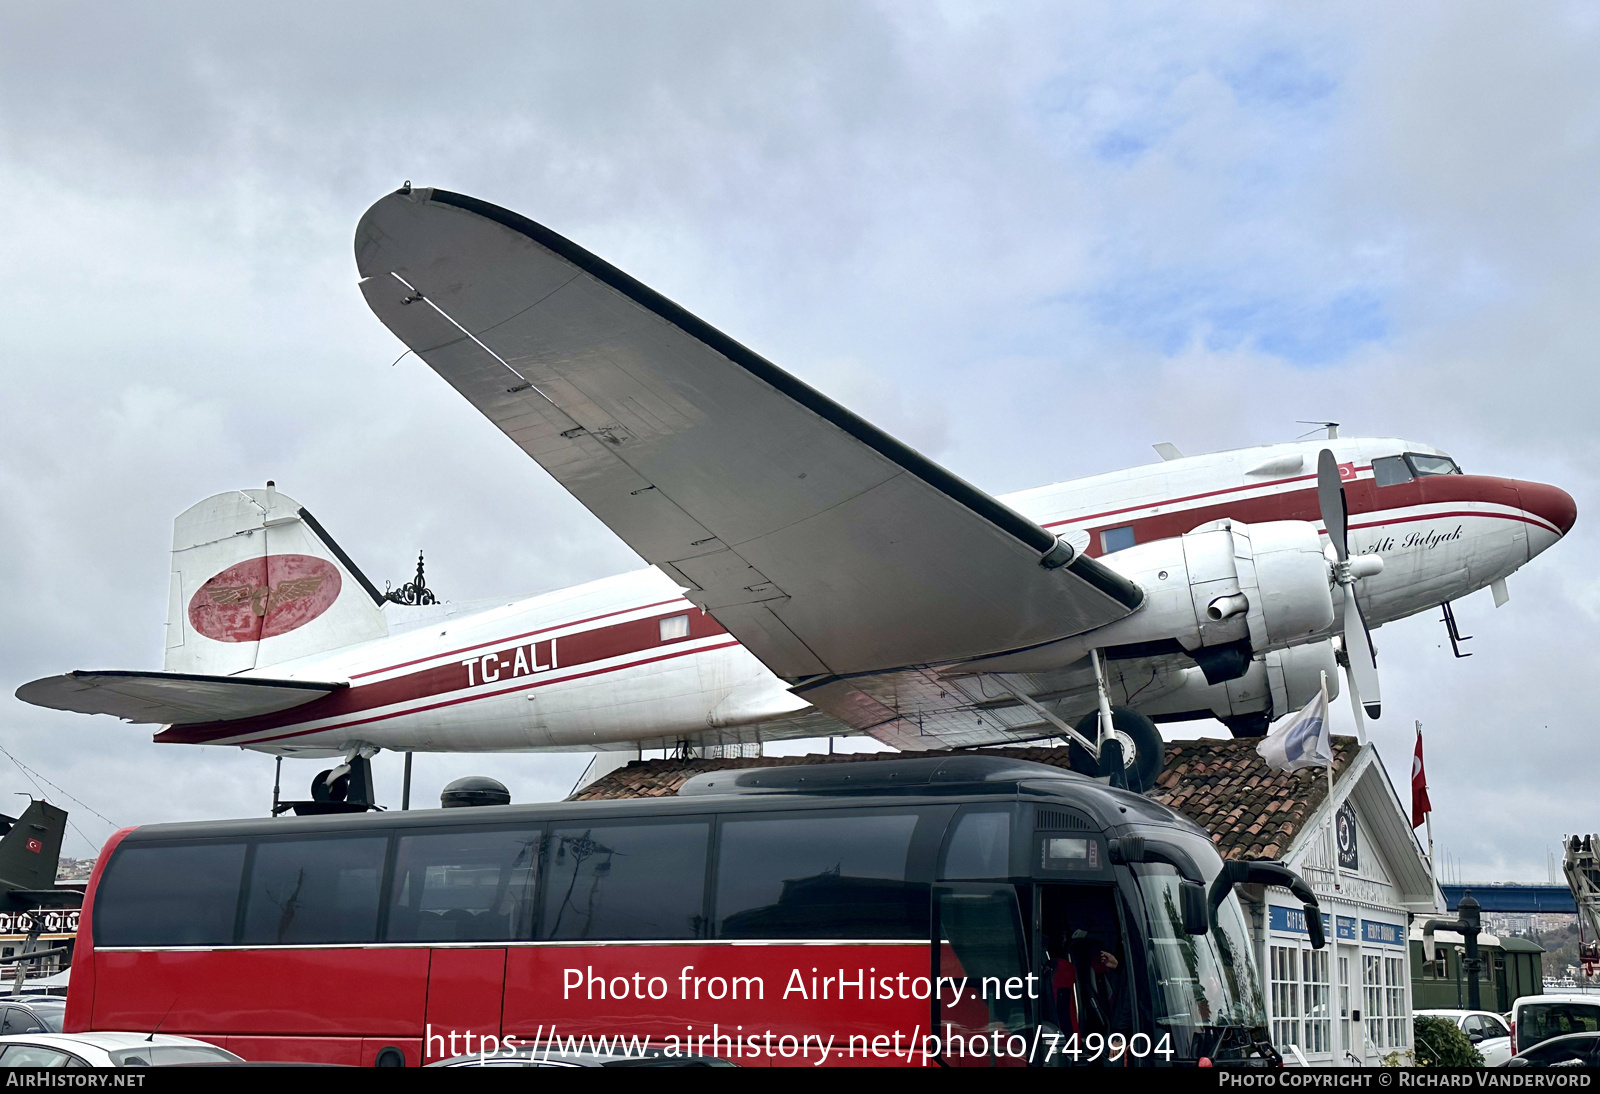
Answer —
1372 997
1314 997
1394 992
673 627
1285 970
1117 539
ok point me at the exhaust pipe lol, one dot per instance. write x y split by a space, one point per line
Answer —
1224 607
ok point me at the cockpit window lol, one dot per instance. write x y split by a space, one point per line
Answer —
1430 465
1390 471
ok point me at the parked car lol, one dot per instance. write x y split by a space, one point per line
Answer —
1573 1050
108 1050
1486 1030
1536 1018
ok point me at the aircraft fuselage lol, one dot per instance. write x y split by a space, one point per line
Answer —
627 662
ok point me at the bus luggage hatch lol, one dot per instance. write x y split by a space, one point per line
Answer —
465 990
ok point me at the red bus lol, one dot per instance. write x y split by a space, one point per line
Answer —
950 910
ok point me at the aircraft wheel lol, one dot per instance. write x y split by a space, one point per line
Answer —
323 791
1143 753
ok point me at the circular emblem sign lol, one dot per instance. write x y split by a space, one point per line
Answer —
264 597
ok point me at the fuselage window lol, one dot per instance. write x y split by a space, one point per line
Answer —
1430 465
1117 539
1390 471
674 626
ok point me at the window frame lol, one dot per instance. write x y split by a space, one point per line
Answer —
538 830
1105 543
551 825
923 851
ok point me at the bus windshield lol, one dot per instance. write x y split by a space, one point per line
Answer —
1200 982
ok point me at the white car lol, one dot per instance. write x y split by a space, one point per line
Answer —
1536 1018
1487 1031
108 1050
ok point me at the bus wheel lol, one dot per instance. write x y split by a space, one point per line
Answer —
1142 749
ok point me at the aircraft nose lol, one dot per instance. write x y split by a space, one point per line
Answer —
1550 502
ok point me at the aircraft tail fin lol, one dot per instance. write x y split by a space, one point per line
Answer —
257 581
30 851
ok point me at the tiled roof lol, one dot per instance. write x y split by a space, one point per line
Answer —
1250 810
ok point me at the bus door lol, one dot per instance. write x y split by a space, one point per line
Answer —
1082 965
984 1002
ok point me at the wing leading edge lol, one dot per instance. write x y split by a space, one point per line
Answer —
828 548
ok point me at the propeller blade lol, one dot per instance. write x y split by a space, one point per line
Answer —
1330 498
1363 668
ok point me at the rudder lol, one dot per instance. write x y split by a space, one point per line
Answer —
256 581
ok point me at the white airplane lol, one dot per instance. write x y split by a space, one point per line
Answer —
810 574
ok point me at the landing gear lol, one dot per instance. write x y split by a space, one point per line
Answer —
1141 749
343 789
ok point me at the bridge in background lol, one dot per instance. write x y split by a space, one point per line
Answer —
1513 897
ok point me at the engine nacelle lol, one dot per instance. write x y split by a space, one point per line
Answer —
1277 683
1226 592
1277 567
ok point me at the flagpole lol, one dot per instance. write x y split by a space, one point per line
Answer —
1428 816
1333 837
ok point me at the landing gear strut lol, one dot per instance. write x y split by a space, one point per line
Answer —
1134 741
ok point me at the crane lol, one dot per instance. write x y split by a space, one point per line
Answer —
1582 867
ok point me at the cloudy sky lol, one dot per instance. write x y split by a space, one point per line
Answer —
1029 239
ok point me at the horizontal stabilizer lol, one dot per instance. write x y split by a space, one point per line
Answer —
167 698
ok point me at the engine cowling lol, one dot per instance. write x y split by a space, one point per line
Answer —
1226 592
1277 567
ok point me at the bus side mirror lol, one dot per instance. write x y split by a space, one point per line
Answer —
1235 872
1196 915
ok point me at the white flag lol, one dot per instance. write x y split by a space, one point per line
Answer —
1303 740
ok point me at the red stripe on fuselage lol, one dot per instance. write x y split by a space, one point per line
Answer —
1363 496
536 683
519 637
580 648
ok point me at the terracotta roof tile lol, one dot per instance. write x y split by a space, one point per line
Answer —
1220 784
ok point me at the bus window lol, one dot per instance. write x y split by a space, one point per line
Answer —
1204 985
810 876
460 886
163 894
979 847
314 891
978 932
626 881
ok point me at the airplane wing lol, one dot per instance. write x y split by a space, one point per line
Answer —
828 548
167 698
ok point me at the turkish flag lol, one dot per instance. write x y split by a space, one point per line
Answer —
1420 805
35 846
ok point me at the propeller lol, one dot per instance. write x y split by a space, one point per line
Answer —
1361 665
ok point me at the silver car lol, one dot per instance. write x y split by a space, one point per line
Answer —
108 1050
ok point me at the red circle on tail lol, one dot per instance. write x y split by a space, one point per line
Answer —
264 597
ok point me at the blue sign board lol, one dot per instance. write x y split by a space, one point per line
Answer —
1384 934
1293 920
1347 928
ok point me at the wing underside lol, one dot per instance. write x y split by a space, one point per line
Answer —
165 698
830 550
